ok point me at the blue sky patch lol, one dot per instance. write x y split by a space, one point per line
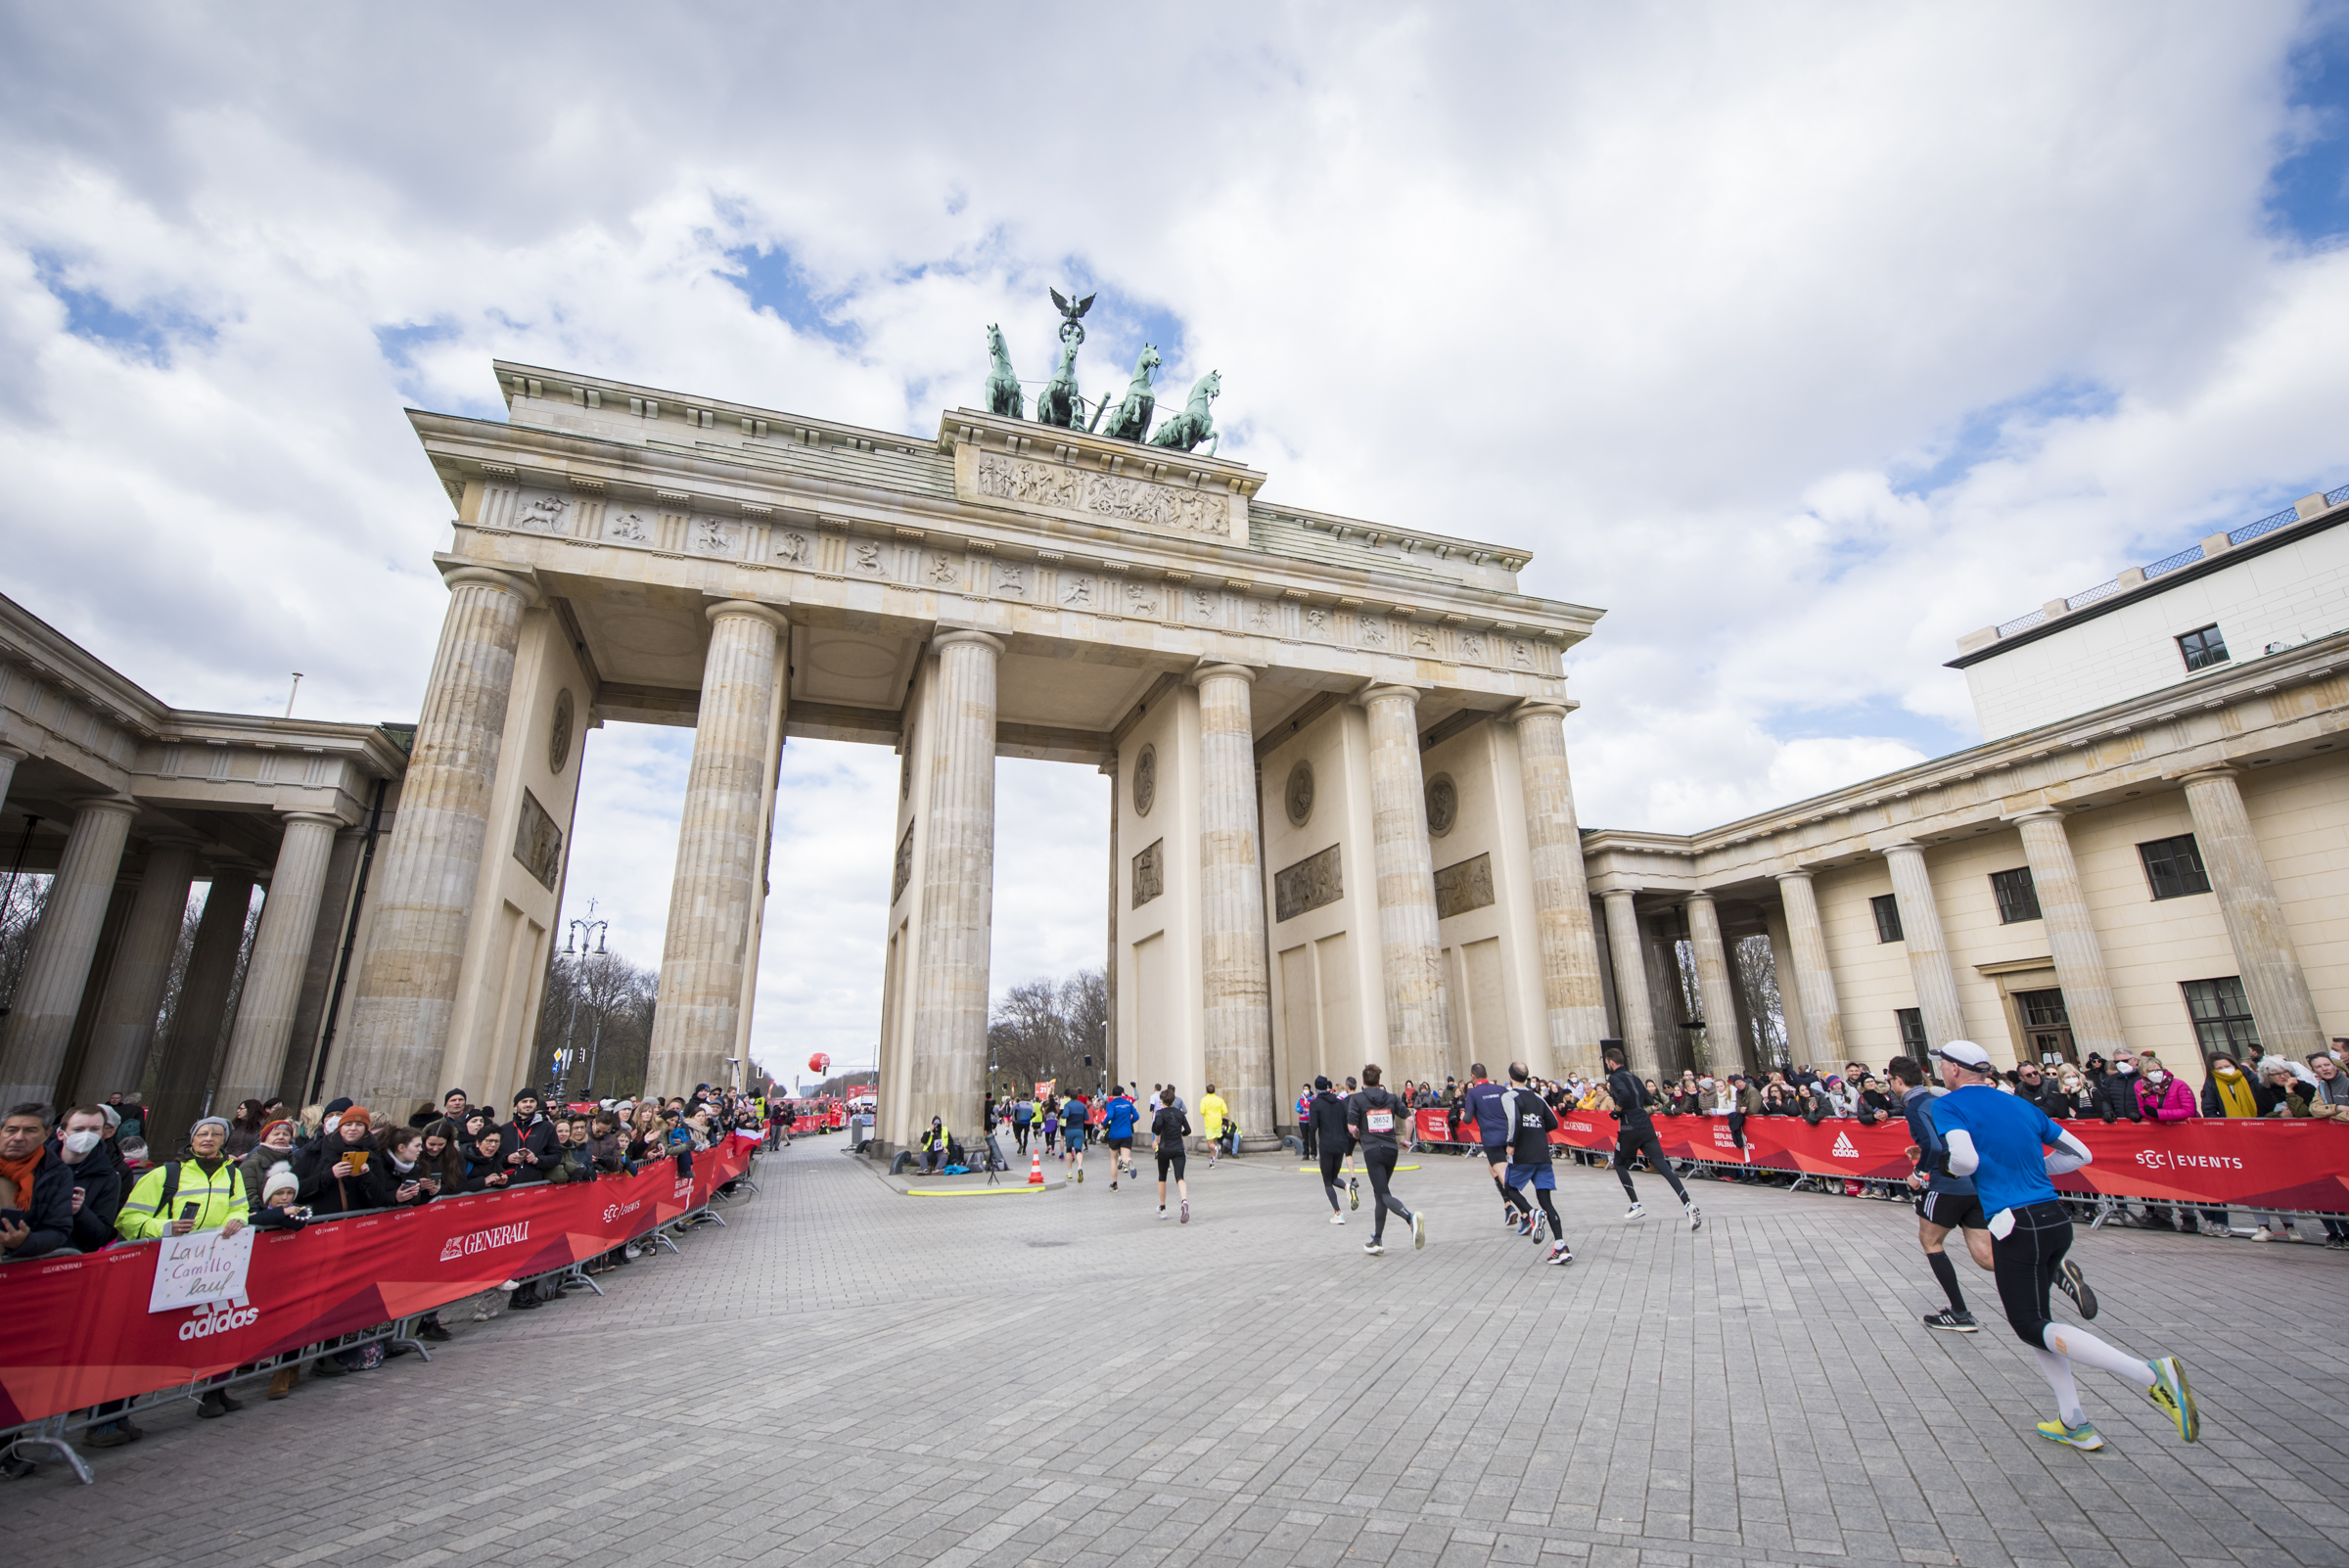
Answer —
1982 432
1873 717
772 280
149 334
2308 190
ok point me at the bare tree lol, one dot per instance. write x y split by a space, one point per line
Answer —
601 1006
1045 1030
21 907
1758 971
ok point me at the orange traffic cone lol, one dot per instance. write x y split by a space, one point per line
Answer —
1035 1168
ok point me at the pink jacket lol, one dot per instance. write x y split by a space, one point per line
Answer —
2172 1102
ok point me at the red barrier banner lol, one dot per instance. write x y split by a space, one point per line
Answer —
80 1331
1435 1124
2264 1164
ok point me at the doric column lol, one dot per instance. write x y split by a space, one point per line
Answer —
193 1050
141 973
2264 955
2071 936
959 888
1928 950
10 757
1724 1046
408 986
1790 1005
280 952
719 837
58 969
1410 957
1571 994
1236 990
1631 999
1814 980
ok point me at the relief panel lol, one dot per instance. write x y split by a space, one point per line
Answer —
1464 886
1309 884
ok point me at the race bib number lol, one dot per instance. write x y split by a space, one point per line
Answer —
1379 1121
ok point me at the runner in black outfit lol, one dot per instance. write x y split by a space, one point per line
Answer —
1638 1135
1372 1117
1530 1122
1329 1135
1171 1127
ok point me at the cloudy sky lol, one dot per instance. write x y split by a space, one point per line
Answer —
1803 339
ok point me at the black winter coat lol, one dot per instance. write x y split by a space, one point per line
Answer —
2114 1095
50 1205
104 1187
538 1137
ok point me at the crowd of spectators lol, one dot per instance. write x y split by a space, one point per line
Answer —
84 1181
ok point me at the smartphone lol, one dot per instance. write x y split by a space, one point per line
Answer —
188 1211
357 1158
16 1217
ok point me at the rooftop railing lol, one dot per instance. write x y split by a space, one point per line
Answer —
2171 563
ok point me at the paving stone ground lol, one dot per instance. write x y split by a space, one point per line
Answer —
848 1375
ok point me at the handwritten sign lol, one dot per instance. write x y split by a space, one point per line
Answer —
200 1269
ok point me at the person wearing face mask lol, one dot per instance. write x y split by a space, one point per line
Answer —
2114 1095
97 1176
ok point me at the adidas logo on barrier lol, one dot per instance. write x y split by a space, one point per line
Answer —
1844 1149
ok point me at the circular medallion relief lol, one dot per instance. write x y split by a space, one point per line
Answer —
1145 780
1443 805
1298 796
558 740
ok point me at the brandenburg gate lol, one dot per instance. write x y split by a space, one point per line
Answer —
1343 830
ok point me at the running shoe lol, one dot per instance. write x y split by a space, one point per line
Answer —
1953 1323
1354 1193
1560 1254
1080 1175
2083 1436
1636 1210
1540 1231
1524 1224
2173 1398
2073 1283
1337 1219
1187 1212
1374 1249
1696 1220
1419 1232
1162 1210
1113 1183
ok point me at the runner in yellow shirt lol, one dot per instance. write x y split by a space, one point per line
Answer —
1212 1111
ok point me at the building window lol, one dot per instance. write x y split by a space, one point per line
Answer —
1912 1030
2222 1017
2017 898
2203 649
2174 867
1888 917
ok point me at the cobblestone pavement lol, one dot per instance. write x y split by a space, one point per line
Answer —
851 1376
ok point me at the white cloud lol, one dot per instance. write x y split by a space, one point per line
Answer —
1682 298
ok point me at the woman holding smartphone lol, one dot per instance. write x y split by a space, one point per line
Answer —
334 1169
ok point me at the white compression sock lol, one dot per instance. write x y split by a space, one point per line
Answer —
2059 1373
2082 1345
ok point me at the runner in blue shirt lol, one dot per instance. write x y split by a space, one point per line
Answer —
2002 1141
1117 1124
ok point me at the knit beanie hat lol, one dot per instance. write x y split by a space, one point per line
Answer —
280 1180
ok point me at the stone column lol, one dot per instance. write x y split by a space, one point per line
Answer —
958 889
1814 980
57 970
715 894
281 953
1928 951
2071 936
1632 998
1790 1004
1410 957
196 1018
10 757
1571 994
1724 1046
2264 955
142 972
407 985
1236 988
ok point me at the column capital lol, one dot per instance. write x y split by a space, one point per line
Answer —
107 802
12 753
961 636
456 573
2036 813
2204 773
748 609
1696 896
1381 691
323 818
176 840
1541 708
1898 845
1221 669
1798 874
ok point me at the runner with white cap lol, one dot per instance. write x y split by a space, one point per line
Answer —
2005 1142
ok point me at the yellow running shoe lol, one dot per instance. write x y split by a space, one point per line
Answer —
2173 1398
2084 1436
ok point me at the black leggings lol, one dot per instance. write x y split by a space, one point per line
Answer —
1019 1130
2025 1263
1627 1144
1332 1162
1380 1162
1177 1158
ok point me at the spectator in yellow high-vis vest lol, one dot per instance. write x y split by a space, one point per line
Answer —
206 1179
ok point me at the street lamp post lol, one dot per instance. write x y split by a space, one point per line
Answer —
576 945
